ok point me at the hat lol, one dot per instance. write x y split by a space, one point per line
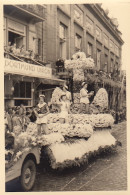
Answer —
83 83
41 95
65 86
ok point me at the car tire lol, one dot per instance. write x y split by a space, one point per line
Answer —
28 175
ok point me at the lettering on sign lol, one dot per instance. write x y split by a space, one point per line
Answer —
23 68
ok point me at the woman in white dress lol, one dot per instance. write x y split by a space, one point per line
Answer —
84 98
64 109
68 95
41 112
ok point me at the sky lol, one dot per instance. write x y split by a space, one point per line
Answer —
121 11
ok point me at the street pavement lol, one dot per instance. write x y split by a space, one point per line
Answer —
107 172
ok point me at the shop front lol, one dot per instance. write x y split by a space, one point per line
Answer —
24 82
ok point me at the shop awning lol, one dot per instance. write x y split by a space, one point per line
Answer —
52 81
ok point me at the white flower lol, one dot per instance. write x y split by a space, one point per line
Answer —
19 154
69 151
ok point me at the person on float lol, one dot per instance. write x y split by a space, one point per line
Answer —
22 114
9 115
84 98
17 122
64 109
68 95
41 112
30 113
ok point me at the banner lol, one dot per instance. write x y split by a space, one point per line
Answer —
26 69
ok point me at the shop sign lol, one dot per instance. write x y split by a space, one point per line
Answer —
26 69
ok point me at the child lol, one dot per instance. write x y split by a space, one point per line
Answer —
41 114
64 109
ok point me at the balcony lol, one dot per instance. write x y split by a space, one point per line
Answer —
34 13
36 9
18 61
26 64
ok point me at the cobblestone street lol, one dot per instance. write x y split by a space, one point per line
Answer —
105 173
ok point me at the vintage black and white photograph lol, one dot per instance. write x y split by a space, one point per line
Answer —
65 108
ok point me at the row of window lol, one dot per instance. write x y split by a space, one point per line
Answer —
78 43
89 24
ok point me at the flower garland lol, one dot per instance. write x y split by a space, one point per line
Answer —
69 154
70 130
83 63
78 74
96 120
53 137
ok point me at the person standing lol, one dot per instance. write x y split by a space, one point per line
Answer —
17 122
41 112
84 98
64 109
68 95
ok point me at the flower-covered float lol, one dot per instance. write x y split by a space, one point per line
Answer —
68 144
84 135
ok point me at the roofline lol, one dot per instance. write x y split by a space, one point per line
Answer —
95 8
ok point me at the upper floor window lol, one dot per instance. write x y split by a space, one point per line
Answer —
63 41
90 49
98 33
117 50
89 25
105 37
111 45
16 33
4 30
78 42
65 7
62 31
78 15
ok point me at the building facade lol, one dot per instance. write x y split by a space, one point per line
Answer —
25 75
53 32
84 27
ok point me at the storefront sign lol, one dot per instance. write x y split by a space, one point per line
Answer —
26 69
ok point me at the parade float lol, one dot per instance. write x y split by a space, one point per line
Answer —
85 135
73 143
